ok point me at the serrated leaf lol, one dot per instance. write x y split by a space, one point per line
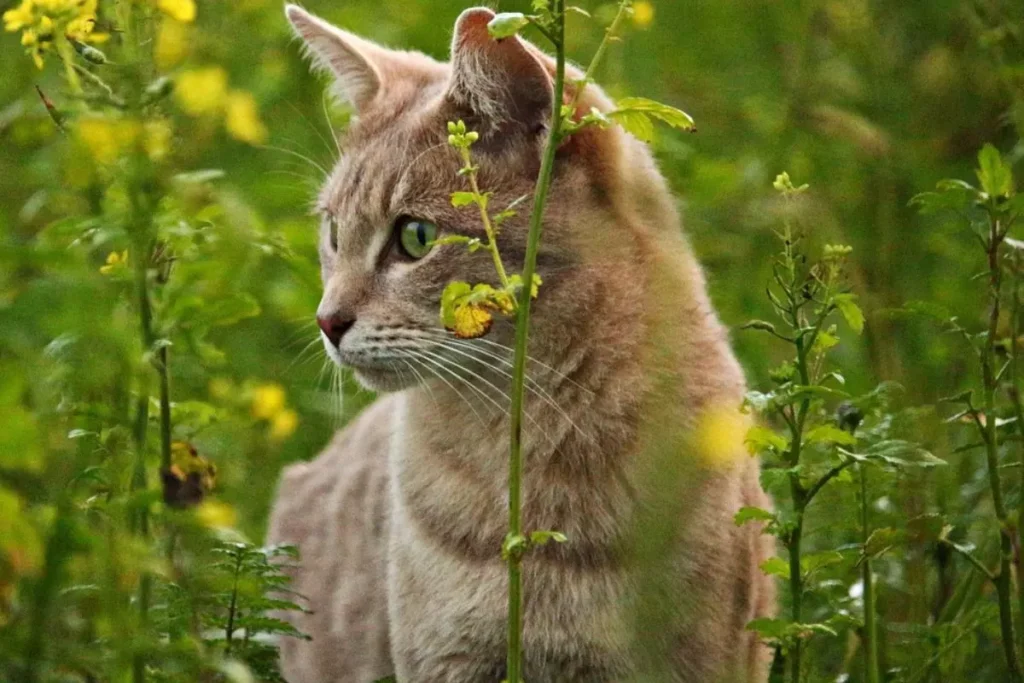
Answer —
636 123
752 514
677 118
775 566
814 562
760 439
829 434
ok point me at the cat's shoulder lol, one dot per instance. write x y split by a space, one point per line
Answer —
356 456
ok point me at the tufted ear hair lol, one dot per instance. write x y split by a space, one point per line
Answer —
358 65
501 83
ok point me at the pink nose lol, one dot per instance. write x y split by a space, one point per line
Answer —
334 327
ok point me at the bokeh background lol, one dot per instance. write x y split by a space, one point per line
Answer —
868 101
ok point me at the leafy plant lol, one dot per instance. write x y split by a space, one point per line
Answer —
989 212
819 445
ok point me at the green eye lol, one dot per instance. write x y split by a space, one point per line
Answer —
416 236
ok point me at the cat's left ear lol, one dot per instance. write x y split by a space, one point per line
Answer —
502 83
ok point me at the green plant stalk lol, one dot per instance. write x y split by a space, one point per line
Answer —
1018 411
232 608
57 553
991 439
139 479
613 29
870 624
485 218
515 465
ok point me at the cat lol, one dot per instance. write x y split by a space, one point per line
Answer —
401 519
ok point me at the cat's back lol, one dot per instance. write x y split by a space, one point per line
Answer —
335 509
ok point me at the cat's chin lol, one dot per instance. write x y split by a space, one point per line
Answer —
381 380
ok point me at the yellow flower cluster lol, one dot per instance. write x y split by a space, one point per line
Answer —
269 404
204 92
42 22
107 138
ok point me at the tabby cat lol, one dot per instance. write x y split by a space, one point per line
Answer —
401 519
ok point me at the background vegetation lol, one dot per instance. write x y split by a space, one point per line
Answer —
870 102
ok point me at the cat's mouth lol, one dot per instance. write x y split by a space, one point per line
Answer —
377 369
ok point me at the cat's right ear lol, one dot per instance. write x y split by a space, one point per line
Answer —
355 63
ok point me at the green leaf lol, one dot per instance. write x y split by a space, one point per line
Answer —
769 629
545 537
449 298
762 325
995 177
760 439
452 239
507 24
636 123
578 10
753 514
677 118
460 199
829 434
775 566
847 305
814 562
879 542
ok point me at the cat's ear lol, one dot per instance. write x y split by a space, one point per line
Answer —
356 64
500 82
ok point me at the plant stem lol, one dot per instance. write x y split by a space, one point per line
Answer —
613 29
232 608
515 465
485 218
991 438
796 588
1018 411
870 625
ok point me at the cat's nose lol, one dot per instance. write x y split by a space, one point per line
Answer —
334 327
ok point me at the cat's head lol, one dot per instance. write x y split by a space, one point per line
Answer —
389 195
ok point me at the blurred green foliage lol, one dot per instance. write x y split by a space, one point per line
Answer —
869 101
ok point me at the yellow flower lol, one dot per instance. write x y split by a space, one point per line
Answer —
105 138
172 43
181 10
267 401
472 321
643 13
20 17
215 515
243 119
202 92
158 138
115 261
283 425
718 437
42 21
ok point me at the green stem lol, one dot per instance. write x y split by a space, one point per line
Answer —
1018 411
485 218
991 438
870 625
796 588
588 77
515 465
